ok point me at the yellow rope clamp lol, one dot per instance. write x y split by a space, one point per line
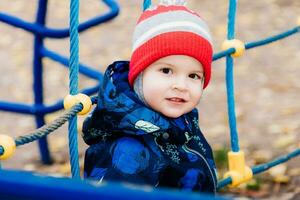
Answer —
298 21
238 45
9 146
238 171
71 100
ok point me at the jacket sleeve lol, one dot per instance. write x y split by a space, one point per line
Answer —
91 133
96 161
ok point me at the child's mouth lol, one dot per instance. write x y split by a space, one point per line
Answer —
176 100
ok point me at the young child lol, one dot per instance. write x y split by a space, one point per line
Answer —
145 129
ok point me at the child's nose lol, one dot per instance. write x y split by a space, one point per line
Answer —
180 84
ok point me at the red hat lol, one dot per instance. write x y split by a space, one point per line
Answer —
170 30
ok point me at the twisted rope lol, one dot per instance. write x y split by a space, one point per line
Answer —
49 128
1 152
147 4
230 80
46 129
73 85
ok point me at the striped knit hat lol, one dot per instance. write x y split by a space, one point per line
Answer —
170 30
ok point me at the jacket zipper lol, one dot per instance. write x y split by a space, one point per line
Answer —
211 173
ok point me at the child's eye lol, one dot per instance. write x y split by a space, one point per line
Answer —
166 70
195 76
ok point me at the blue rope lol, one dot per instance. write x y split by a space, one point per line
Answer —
263 167
231 19
282 159
74 47
73 148
83 69
273 38
262 42
230 105
1 152
147 4
73 84
230 81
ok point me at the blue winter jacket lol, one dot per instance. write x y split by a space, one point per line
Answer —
130 142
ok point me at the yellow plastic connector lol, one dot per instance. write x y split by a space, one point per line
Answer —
71 100
238 45
9 146
298 21
238 171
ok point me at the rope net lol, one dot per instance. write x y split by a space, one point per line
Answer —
75 68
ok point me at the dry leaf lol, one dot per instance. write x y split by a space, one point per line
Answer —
289 111
294 172
64 168
284 141
58 144
278 170
29 167
261 156
281 179
218 130
274 129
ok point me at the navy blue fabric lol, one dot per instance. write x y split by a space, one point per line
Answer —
130 142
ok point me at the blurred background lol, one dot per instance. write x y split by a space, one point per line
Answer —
267 84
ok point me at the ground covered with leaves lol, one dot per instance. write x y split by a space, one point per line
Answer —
267 85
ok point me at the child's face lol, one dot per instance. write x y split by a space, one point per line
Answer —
172 85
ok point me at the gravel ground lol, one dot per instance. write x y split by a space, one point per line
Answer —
267 81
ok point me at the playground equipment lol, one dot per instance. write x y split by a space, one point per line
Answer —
40 51
238 171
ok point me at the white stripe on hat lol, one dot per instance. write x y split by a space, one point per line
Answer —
173 2
178 25
166 17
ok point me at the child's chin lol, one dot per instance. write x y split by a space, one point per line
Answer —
173 115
